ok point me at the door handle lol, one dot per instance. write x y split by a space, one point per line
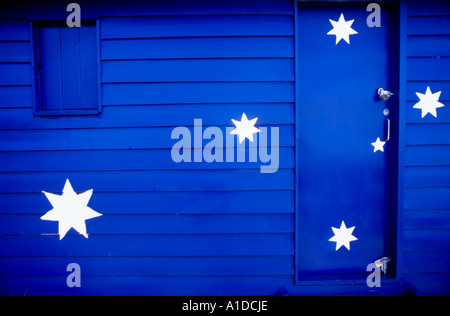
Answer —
388 131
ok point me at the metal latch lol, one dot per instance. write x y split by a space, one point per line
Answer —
384 94
382 264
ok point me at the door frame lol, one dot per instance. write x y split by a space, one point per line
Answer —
397 204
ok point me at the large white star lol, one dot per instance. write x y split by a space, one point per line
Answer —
342 29
70 210
343 236
245 128
378 145
429 102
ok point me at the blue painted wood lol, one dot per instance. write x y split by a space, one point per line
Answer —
195 26
90 73
420 134
159 224
437 262
429 46
169 180
426 240
51 68
432 8
16 96
15 74
120 138
340 177
427 219
223 285
163 93
402 119
202 7
14 30
70 76
428 155
149 266
11 52
435 69
120 202
428 176
156 116
432 198
55 10
415 115
429 25
197 47
203 70
146 245
433 284
159 159
68 67
435 86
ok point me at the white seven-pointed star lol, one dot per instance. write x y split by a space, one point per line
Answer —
245 128
70 210
343 236
378 145
342 29
429 102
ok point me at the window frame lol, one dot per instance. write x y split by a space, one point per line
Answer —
38 109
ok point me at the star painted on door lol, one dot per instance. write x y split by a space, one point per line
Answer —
378 145
245 128
70 210
343 236
429 102
342 29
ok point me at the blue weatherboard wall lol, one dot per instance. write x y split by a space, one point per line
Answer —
198 228
426 234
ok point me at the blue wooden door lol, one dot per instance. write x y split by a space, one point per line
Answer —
344 176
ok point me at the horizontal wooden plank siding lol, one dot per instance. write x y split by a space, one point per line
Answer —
162 66
426 227
427 176
203 70
164 202
105 160
162 224
201 7
15 52
151 266
197 92
13 30
16 74
152 116
165 180
114 138
199 47
149 245
15 97
196 26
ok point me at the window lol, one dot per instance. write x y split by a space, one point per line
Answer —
66 69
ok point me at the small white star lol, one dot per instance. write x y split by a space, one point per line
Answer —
429 102
343 236
342 29
70 210
245 128
378 145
